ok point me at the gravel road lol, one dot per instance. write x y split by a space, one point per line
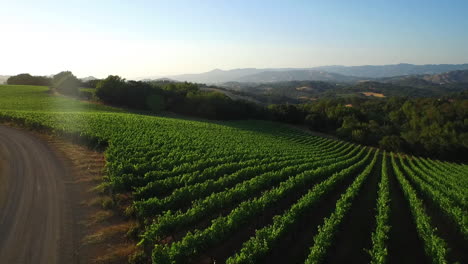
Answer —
36 218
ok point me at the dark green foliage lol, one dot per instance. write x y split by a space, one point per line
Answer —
111 89
66 83
156 103
90 83
424 126
27 79
215 105
184 98
86 95
392 143
287 113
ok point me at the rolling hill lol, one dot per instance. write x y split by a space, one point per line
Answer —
380 71
322 73
448 77
296 75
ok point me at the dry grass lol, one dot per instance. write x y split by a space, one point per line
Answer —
304 88
107 233
99 217
116 254
380 95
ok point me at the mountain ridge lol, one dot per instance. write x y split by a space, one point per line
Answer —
363 72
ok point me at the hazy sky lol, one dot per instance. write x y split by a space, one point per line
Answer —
149 38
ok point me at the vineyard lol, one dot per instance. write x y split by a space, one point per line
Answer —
261 192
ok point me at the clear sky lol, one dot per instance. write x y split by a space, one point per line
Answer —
149 38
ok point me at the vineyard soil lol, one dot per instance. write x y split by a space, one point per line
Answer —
406 248
354 235
294 247
447 230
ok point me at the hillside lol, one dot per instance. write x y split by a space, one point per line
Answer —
231 94
251 75
220 190
304 91
321 73
295 75
448 77
381 71
216 76
283 92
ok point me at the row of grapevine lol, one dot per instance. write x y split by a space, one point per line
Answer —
434 246
451 191
187 194
164 186
167 185
222 227
265 239
444 175
379 250
169 221
172 182
456 172
324 238
458 216
198 163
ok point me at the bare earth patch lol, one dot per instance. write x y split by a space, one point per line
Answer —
380 95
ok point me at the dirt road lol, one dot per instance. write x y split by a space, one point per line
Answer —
35 216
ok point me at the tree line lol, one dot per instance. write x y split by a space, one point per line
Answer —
64 82
183 98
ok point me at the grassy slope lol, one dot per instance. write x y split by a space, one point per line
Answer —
36 98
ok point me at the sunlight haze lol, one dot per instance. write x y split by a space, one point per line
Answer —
159 38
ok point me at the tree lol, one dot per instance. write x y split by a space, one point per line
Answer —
66 83
156 103
28 79
111 89
391 143
287 113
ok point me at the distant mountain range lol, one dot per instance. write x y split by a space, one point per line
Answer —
216 76
296 75
323 73
425 85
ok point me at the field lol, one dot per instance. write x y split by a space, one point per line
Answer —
261 192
